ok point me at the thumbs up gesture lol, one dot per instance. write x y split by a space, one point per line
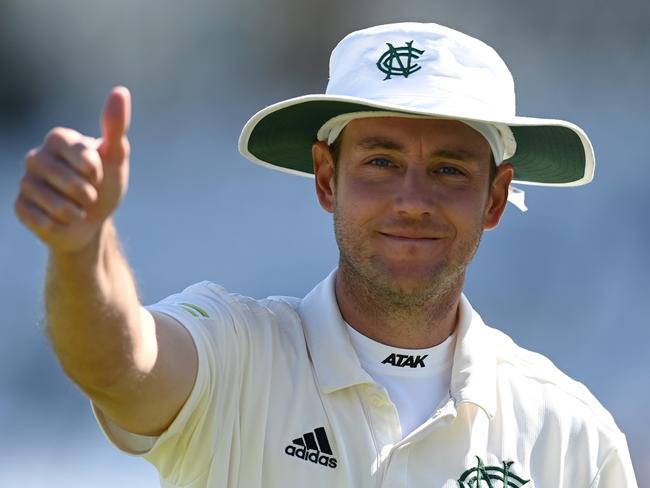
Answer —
73 183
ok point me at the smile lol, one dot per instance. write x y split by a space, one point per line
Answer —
407 238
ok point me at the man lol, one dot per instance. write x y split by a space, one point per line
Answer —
383 375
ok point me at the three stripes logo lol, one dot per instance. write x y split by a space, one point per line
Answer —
313 447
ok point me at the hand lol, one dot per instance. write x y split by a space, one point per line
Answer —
73 183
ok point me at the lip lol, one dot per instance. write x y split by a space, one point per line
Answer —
408 237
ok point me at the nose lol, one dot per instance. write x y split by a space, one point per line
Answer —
415 194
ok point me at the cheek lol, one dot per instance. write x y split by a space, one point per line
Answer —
361 200
467 211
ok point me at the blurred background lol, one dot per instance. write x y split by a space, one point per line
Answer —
568 279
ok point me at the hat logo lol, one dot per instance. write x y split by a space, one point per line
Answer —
398 61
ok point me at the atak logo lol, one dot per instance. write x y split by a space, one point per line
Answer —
483 476
402 360
398 61
314 447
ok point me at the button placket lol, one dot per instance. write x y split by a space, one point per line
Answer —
396 462
384 422
385 416
396 467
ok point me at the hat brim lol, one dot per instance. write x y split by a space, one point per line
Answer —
549 152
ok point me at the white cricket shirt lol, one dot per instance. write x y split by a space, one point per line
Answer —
280 400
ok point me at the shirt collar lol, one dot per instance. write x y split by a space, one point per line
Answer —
473 377
335 360
473 373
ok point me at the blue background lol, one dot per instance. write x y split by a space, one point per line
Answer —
567 279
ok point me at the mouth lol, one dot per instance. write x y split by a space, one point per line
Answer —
410 238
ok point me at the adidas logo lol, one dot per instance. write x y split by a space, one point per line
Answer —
402 360
314 447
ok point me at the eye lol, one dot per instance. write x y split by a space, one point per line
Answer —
449 170
381 162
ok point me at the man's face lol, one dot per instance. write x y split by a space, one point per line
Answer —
411 198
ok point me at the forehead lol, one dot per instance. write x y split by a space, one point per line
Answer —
408 134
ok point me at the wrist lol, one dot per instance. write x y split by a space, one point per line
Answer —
90 255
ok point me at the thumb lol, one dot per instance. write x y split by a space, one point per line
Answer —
116 119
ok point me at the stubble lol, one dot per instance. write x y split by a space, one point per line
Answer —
367 277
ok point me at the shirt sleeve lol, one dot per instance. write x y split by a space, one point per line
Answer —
616 471
184 452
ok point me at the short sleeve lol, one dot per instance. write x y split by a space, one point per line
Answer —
616 471
185 450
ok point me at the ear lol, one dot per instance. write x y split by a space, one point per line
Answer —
498 197
324 175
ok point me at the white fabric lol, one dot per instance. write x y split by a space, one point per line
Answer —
416 388
273 371
456 74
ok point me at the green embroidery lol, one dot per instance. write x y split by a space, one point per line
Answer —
191 308
399 55
188 309
482 476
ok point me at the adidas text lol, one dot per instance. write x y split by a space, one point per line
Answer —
313 456
314 447
402 360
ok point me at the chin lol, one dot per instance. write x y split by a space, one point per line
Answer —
416 278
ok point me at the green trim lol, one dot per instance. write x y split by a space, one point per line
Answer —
188 309
191 308
545 154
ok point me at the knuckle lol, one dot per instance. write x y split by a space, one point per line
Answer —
31 154
61 136
33 163
33 160
27 185
56 134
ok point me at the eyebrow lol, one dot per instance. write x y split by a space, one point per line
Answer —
372 143
379 143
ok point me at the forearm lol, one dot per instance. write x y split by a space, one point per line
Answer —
93 313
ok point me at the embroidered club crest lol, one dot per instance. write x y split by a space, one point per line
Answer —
483 476
398 61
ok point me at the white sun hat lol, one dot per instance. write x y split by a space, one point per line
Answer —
421 70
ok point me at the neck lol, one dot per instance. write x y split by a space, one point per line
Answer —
399 320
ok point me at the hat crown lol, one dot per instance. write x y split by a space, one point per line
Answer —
423 67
